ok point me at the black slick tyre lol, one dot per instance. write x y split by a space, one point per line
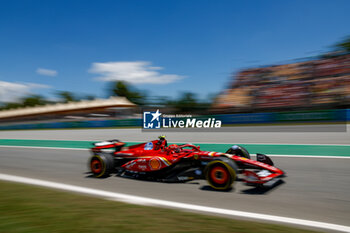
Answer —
221 173
101 165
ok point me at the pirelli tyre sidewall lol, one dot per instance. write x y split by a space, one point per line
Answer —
221 173
101 165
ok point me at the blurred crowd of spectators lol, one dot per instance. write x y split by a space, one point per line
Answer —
320 83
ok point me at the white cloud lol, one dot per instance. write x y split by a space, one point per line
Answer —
12 92
46 72
137 72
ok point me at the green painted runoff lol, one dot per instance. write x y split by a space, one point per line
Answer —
277 149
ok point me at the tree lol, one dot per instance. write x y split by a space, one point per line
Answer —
8 106
186 103
189 103
89 97
29 101
33 100
344 45
122 89
66 96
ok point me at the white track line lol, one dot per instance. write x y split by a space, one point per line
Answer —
150 201
185 142
42 147
270 155
269 144
310 156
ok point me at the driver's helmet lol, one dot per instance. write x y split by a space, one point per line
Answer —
161 143
175 148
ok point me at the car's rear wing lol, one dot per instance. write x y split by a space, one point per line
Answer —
108 144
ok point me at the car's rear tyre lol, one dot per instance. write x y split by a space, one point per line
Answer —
239 151
221 173
102 165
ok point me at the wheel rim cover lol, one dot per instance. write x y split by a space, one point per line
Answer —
219 175
96 166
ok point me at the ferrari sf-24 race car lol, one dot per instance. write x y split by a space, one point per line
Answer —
156 161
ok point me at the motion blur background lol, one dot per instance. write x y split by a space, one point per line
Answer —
269 70
64 64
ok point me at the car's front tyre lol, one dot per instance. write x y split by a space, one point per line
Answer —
221 173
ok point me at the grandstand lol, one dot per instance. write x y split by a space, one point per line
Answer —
85 109
316 84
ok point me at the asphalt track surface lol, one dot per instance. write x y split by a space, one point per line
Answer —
315 189
256 134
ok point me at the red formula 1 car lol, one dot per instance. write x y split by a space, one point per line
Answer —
155 160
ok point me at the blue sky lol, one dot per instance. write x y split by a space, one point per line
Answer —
163 47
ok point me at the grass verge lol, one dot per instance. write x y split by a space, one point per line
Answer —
25 208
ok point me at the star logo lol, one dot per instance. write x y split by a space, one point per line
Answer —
156 115
152 120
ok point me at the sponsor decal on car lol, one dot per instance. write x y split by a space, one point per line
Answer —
143 167
148 146
165 161
130 165
154 164
104 143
